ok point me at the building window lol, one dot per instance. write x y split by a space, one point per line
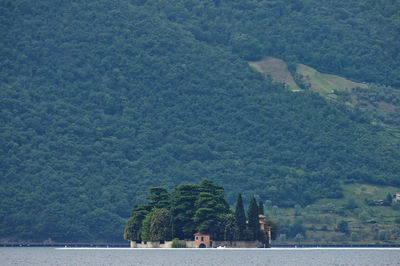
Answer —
202 238
197 238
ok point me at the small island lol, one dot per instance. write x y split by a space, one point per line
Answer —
197 216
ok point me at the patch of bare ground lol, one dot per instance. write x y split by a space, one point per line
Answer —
278 71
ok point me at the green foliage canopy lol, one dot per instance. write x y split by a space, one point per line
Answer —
161 225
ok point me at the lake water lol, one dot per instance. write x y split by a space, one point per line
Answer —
126 256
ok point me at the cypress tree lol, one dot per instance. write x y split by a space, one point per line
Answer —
240 216
252 214
260 207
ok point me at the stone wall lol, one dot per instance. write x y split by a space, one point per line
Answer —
238 244
166 244
191 244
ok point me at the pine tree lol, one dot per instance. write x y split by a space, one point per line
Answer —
159 197
209 205
183 210
240 216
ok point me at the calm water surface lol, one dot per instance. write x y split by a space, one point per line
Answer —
121 256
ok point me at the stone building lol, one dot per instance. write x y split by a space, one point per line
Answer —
202 240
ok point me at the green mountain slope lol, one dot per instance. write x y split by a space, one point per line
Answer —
364 208
100 100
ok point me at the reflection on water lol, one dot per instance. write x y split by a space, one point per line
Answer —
126 256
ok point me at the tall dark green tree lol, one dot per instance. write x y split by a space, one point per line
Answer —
183 210
253 227
240 216
252 215
209 205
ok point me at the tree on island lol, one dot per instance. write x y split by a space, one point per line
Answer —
145 229
226 228
134 224
159 197
183 210
240 217
252 214
161 225
254 231
209 205
129 233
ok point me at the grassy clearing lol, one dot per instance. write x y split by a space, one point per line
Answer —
326 83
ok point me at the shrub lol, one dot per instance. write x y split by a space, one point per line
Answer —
176 243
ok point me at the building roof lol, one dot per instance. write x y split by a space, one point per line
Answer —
201 234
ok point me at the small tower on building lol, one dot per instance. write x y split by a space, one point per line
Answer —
266 229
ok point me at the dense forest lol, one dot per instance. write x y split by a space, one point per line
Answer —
101 100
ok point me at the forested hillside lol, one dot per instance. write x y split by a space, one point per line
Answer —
101 100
